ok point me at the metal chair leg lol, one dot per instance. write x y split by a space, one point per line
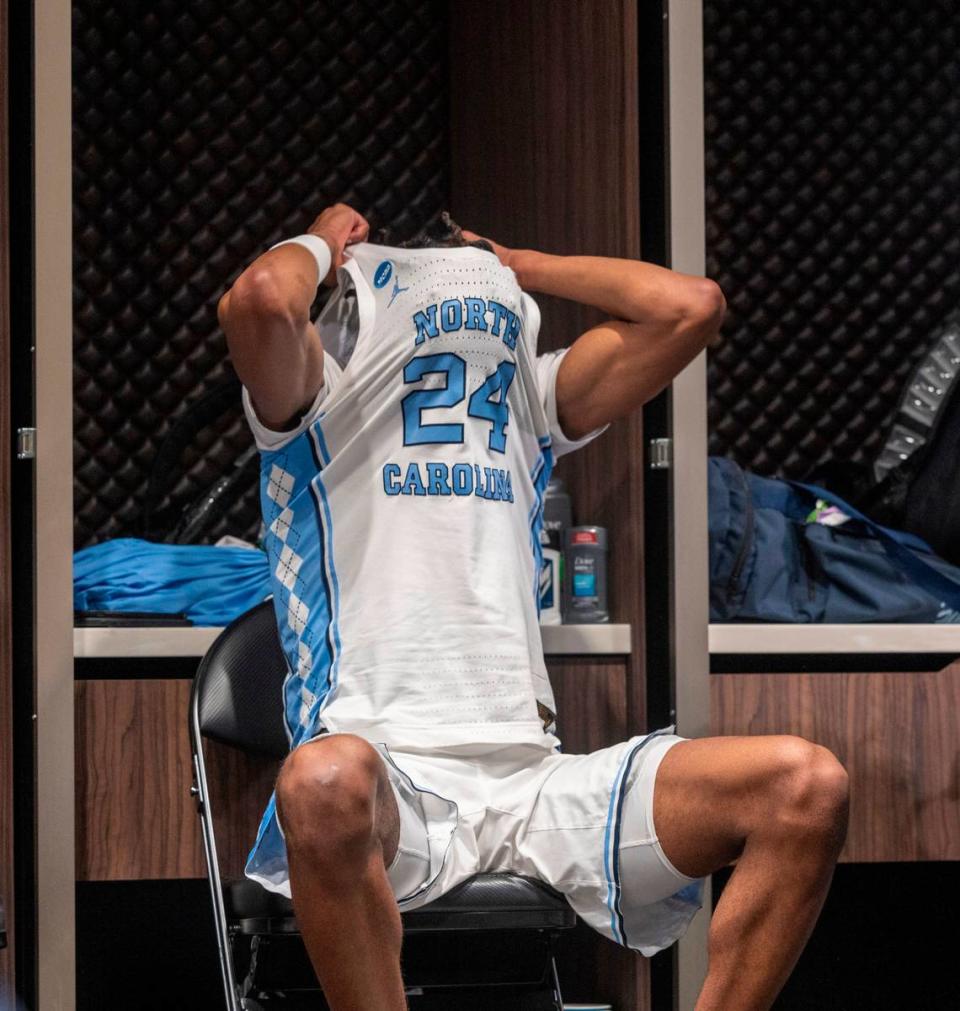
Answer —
557 998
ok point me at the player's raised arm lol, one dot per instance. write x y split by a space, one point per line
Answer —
663 319
266 318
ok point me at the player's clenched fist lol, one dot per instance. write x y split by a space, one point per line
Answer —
504 254
339 226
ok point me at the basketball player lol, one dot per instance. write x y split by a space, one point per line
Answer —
406 440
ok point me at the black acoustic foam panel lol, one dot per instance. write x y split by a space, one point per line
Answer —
833 217
204 132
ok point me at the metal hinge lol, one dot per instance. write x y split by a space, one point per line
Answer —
26 443
195 790
661 454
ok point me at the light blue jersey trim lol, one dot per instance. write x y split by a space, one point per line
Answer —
611 838
311 522
608 847
540 476
326 522
331 580
317 432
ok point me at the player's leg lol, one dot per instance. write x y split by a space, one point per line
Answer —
341 825
778 806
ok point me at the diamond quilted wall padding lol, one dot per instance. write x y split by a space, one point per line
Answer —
203 133
833 217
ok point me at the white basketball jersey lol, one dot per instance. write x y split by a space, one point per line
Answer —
403 513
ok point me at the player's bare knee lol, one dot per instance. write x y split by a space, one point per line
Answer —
326 797
810 790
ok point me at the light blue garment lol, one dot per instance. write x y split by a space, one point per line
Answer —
306 600
210 585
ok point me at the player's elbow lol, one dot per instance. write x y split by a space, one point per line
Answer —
256 294
223 308
702 310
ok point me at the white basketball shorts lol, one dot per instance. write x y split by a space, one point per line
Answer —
580 823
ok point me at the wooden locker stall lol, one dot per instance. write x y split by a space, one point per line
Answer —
839 273
6 604
541 150
828 316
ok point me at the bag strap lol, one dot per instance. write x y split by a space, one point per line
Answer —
900 548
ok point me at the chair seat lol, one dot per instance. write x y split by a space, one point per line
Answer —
484 902
246 900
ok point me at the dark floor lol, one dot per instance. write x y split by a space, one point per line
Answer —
146 945
887 941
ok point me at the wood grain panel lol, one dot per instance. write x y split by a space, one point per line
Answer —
591 697
897 734
6 645
135 816
544 136
240 786
606 484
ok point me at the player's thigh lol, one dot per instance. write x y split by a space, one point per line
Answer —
329 783
711 793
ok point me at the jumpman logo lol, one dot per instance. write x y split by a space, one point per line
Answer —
396 290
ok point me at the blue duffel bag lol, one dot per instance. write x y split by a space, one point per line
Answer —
769 562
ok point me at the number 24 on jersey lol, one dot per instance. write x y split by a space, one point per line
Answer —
481 404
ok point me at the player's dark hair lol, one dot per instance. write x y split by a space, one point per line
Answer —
441 231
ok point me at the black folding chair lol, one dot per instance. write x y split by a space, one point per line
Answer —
489 943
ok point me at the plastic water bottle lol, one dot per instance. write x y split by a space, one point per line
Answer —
550 578
557 519
557 507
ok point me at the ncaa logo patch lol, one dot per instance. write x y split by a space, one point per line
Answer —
382 274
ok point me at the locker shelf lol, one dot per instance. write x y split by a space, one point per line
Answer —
776 638
88 643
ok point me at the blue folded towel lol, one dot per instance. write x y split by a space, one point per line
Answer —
211 585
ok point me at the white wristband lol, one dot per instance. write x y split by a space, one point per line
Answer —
317 246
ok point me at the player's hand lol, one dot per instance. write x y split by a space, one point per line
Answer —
503 253
339 226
